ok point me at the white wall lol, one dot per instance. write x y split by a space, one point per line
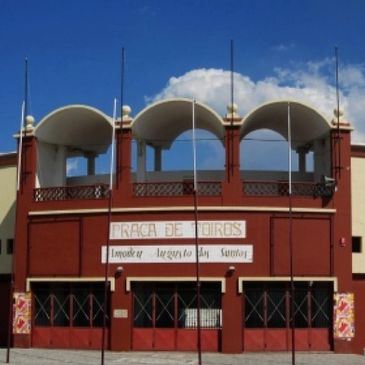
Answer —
51 168
358 210
7 213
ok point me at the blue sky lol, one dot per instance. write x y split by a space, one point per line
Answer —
282 47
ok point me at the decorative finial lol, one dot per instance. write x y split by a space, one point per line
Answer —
232 111
338 113
29 123
126 110
338 116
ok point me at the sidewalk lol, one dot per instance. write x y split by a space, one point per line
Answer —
61 357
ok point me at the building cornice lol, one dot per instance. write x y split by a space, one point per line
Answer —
247 209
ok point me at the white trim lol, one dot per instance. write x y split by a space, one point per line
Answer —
184 209
98 112
292 101
130 279
29 281
174 100
243 279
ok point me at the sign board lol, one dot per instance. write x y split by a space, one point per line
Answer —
176 229
22 313
178 254
344 322
120 313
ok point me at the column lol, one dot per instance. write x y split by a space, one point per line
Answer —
158 157
141 160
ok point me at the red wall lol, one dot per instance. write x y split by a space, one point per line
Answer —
358 343
4 308
310 244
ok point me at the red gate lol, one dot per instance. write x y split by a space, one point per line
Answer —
68 315
165 316
267 316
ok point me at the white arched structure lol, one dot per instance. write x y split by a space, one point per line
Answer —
310 131
70 131
159 124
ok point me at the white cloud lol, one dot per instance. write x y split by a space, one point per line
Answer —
283 47
312 83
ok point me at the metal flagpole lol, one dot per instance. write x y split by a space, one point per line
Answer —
18 183
229 147
338 170
292 288
106 282
11 287
122 82
20 147
197 268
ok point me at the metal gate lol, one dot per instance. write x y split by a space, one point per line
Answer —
267 316
68 315
165 316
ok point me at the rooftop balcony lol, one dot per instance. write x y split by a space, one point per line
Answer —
160 184
139 178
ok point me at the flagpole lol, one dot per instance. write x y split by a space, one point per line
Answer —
11 287
106 272
24 112
194 146
113 146
197 268
229 140
338 169
20 147
122 82
292 288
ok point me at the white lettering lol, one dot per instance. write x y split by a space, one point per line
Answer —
178 254
177 229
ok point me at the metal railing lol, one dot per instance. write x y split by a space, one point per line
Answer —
279 188
173 189
98 191
152 189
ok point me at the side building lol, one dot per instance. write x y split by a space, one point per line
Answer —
253 235
358 239
8 162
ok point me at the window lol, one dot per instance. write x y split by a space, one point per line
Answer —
357 244
9 246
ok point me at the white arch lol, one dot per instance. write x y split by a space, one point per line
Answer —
162 122
78 126
307 124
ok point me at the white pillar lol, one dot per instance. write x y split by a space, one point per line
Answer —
62 163
141 161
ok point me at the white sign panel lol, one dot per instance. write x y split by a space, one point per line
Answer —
178 254
176 229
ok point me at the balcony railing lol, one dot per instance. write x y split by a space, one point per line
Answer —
152 189
99 191
174 189
278 188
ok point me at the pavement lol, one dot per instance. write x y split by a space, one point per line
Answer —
61 357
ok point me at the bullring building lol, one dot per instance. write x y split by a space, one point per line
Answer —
251 240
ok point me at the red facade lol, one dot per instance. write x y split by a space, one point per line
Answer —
151 306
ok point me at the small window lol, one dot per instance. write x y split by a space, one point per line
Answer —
356 244
9 246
